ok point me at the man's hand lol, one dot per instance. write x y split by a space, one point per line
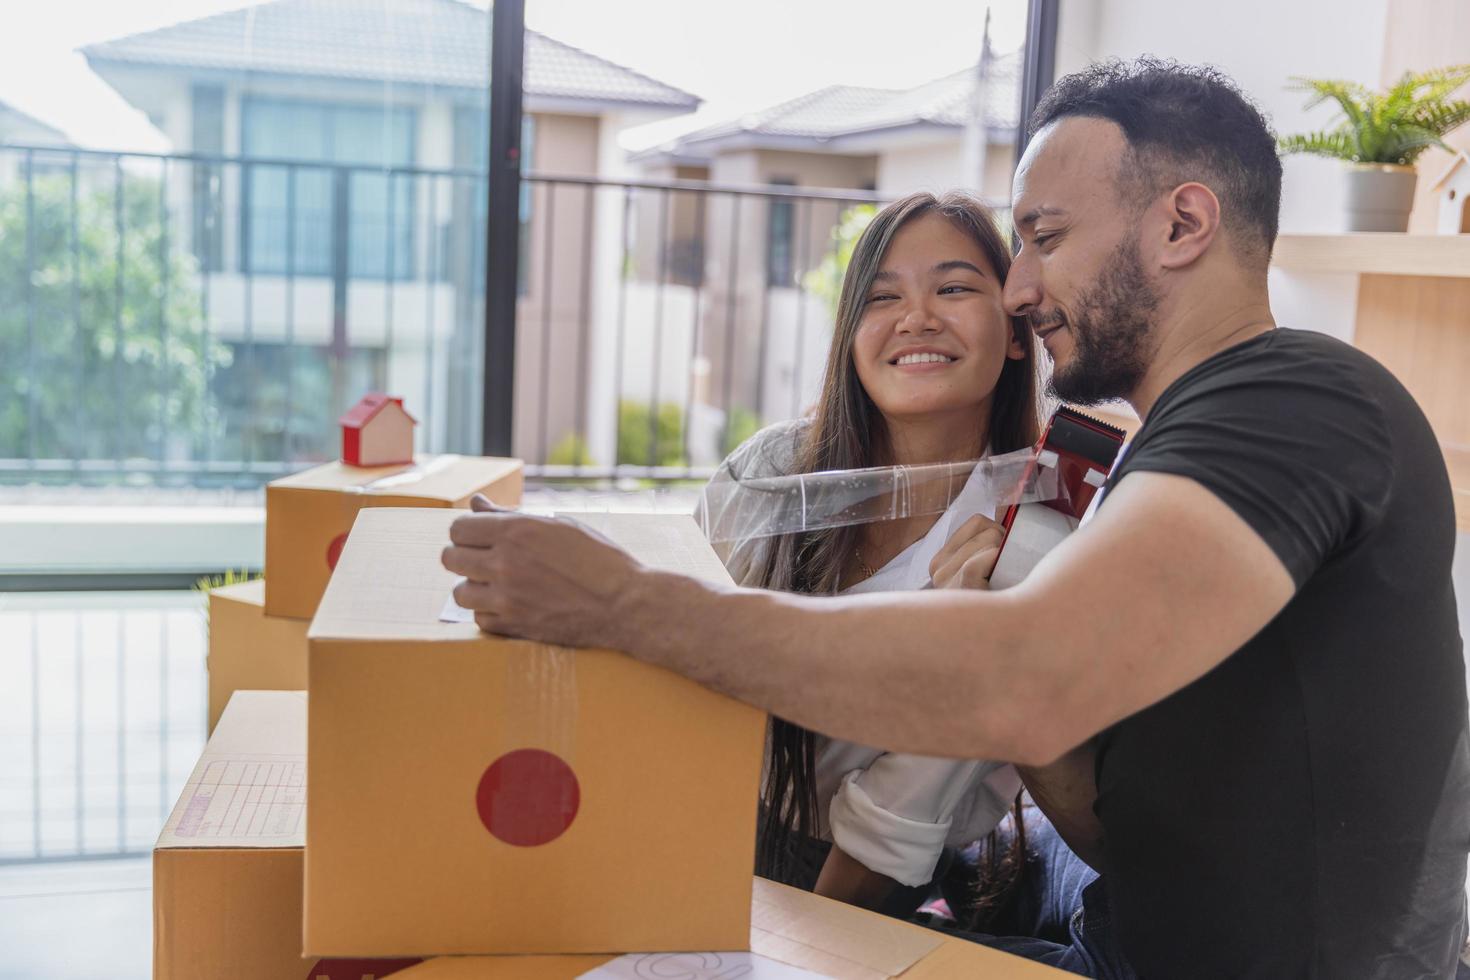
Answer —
538 577
968 557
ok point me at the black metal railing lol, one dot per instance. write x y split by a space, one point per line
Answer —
189 319
102 720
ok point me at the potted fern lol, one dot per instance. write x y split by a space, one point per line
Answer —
1380 136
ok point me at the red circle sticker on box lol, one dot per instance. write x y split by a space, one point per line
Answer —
334 550
528 797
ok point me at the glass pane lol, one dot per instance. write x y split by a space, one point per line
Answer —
277 220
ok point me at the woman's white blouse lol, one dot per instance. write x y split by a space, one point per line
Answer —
894 813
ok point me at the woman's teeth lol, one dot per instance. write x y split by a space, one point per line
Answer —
923 359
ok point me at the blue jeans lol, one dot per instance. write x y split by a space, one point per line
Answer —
1060 916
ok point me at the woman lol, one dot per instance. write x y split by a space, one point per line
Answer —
924 367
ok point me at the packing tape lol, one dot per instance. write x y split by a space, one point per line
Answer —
732 510
1035 530
407 476
351 499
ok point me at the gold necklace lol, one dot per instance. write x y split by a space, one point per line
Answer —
862 565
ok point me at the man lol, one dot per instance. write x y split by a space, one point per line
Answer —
1256 631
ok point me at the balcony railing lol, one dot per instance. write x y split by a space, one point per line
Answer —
196 320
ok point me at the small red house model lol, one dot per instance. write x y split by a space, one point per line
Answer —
377 432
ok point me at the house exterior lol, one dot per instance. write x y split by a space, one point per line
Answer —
22 129
355 258
957 131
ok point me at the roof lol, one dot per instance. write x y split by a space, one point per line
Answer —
841 111
430 42
44 131
364 411
1459 160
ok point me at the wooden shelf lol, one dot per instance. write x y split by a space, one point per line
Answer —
1458 461
1381 253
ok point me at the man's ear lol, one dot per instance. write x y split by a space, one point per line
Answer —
1016 349
1192 213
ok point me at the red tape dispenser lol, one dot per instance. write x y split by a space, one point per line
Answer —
1082 450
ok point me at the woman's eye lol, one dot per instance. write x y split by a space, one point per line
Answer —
879 296
955 288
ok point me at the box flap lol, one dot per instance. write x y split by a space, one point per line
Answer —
390 582
445 477
249 787
251 593
799 928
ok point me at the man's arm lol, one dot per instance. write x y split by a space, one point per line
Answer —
1065 791
1162 585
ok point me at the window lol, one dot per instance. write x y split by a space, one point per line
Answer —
208 122
780 233
277 399
296 211
471 152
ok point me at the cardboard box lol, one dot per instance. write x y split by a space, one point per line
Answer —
248 650
625 819
227 867
308 515
794 927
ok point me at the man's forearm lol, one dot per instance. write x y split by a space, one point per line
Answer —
939 674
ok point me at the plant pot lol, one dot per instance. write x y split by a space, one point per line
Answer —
1380 196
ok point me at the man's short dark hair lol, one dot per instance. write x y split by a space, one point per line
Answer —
1182 123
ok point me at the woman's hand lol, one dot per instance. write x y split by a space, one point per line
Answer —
968 557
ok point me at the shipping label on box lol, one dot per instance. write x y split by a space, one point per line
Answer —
308 515
227 868
248 650
472 794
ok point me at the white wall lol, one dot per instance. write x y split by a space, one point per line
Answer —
601 424
935 167
1259 43
940 167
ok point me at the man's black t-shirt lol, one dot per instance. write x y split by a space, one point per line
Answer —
1303 810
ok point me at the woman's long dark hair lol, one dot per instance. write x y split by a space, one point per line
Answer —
848 432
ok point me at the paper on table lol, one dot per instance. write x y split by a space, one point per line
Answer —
453 612
698 966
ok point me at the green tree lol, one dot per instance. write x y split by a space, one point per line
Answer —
103 348
742 424
826 279
635 438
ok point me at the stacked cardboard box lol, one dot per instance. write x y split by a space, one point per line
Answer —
228 888
249 650
227 867
475 795
257 636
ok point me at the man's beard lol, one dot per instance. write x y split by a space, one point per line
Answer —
1111 331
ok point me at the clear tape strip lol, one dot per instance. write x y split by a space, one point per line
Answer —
406 477
737 510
